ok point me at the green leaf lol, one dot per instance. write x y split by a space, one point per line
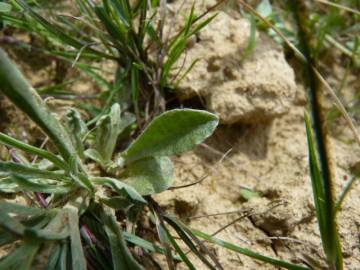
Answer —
324 208
249 253
77 129
10 168
54 257
19 209
10 224
150 175
21 258
41 185
19 91
149 246
4 7
56 229
248 194
264 8
109 127
192 242
179 250
9 141
78 260
121 255
95 156
119 187
172 133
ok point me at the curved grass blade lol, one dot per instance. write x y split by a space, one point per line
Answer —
19 91
249 253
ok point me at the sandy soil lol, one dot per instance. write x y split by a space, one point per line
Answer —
270 158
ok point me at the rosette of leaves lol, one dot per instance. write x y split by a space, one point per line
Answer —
71 220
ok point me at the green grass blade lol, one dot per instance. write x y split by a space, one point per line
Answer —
192 242
323 178
164 240
249 253
344 192
59 33
121 255
179 251
19 91
149 246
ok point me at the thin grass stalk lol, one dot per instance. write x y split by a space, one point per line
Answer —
328 227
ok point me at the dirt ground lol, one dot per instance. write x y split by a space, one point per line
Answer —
262 148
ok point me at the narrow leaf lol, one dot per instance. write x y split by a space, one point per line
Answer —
9 141
19 91
121 255
249 253
9 168
78 260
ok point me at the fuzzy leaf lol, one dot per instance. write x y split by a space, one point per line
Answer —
119 187
109 127
150 175
77 129
172 133
4 7
10 168
77 253
41 185
9 141
20 92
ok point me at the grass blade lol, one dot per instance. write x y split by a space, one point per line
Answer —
121 256
249 253
321 173
343 194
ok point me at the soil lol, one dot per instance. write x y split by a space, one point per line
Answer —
264 154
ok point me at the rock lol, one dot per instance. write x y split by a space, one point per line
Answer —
254 89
